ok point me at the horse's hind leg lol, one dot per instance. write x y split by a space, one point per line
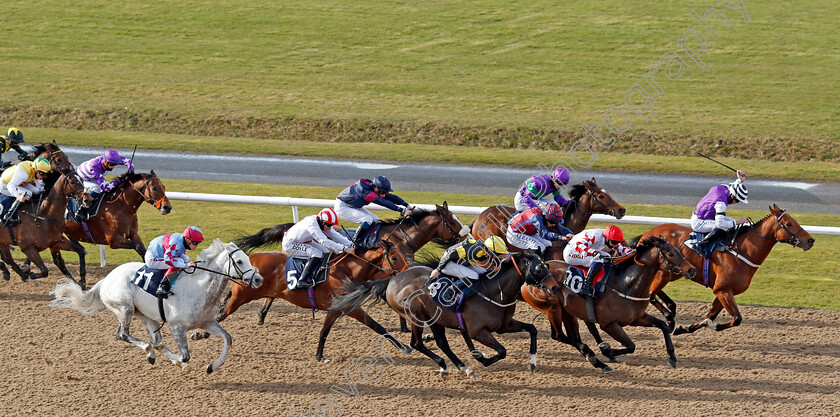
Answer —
404 326
417 343
124 314
365 319
6 274
486 338
649 321
215 328
264 310
443 344
6 256
514 326
716 308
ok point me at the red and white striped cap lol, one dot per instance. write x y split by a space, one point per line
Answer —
328 216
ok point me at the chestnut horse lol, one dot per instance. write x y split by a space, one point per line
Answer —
406 234
42 226
51 152
587 198
730 272
490 310
115 224
624 304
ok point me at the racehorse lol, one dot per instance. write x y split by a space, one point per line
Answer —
729 272
51 152
406 234
115 224
623 305
587 198
41 226
491 310
192 306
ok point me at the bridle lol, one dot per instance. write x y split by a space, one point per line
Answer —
417 226
534 283
793 241
142 191
239 279
673 268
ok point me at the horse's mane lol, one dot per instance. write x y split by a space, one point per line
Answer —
38 149
577 191
131 176
417 215
744 227
642 246
212 251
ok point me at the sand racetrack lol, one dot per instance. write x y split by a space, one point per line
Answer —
780 361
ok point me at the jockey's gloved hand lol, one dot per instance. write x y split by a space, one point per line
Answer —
405 211
130 166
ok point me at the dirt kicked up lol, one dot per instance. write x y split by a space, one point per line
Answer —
780 361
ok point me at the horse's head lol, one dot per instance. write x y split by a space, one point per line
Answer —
71 186
153 191
51 152
596 200
672 260
789 230
240 263
450 227
536 271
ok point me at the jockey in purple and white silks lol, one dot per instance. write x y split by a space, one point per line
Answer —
169 252
312 237
710 213
537 189
350 203
93 171
535 229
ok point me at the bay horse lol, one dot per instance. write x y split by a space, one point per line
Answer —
192 306
729 273
624 303
406 234
490 310
42 226
587 198
51 152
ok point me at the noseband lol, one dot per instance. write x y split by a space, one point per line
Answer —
157 204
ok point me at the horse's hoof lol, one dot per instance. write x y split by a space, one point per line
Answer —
672 362
151 359
428 338
612 359
606 370
186 367
470 374
680 330
210 369
477 354
444 373
531 368
407 350
327 361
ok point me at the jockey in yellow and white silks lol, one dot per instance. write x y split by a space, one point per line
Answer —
25 179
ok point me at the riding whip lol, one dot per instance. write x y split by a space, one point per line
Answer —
727 166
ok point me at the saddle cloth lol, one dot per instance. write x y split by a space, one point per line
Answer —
73 206
148 279
450 292
575 275
295 265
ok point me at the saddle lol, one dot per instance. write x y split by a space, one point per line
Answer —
450 292
85 214
719 244
295 265
148 279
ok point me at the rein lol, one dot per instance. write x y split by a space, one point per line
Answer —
239 280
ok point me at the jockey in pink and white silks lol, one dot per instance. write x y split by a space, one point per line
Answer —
312 237
536 228
535 191
350 203
591 247
93 171
710 214
169 252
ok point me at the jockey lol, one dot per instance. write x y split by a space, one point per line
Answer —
534 229
470 258
169 252
591 247
710 213
534 192
312 237
93 171
12 140
349 205
22 182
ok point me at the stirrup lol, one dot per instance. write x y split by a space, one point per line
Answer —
164 291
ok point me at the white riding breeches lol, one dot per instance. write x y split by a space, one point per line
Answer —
462 271
309 250
706 226
523 241
355 215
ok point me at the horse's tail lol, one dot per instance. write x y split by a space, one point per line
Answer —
356 293
68 294
268 236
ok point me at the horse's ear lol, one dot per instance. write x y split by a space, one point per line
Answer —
153 173
445 205
775 208
54 143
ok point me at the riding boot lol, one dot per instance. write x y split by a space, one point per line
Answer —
166 283
361 233
306 280
588 287
10 213
711 237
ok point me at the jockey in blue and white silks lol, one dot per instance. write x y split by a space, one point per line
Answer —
350 203
169 252
537 189
535 229
93 171
312 237
710 213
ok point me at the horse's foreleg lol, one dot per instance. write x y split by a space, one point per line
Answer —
665 310
215 328
518 326
727 299
363 318
264 310
6 274
649 321
33 255
486 338
180 336
443 344
6 255
325 331
404 326
716 308
573 339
